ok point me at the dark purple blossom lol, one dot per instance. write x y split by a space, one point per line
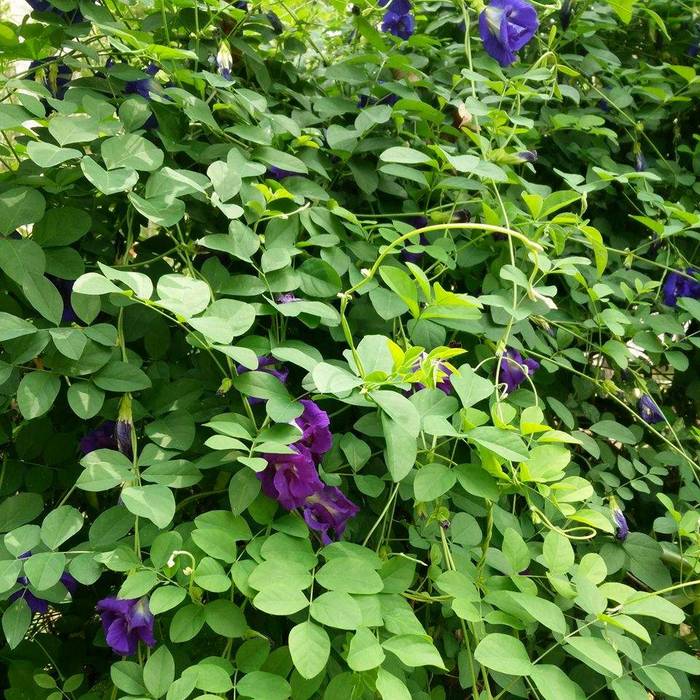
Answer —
402 26
366 100
241 5
604 105
102 437
65 289
123 429
290 478
505 27
440 371
514 369
146 85
327 511
126 622
649 411
415 258
275 22
694 49
679 284
620 522
55 76
279 173
313 422
71 17
565 14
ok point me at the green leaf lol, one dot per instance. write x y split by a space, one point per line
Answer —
330 379
13 327
21 259
60 525
504 443
104 469
555 684
349 576
159 672
175 431
162 211
70 342
225 618
263 686
260 385
402 285
153 502
44 297
36 393
414 650
310 647
85 399
336 609
470 387
224 319
623 9
15 622
365 652
432 481
108 182
186 623
280 599
401 154
390 687
46 155
20 206
503 653
19 509
401 448
183 295
131 151
596 653
45 569
121 377
614 431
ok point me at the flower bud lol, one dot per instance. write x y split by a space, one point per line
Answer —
124 427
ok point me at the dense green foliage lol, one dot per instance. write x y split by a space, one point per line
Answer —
259 193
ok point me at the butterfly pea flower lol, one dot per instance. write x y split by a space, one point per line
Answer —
280 173
649 411
126 622
275 22
286 298
290 478
640 162
146 85
415 258
398 19
224 60
680 284
514 369
123 428
71 16
505 27
101 438
313 422
565 13
527 156
36 604
622 528
327 511
241 5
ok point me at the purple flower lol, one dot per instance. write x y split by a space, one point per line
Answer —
126 622
327 511
313 422
290 478
366 100
125 423
146 85
620 522
649 411
514 369
679 284
415 258
45 6
102 437
401 26
604 105
279 173
241 5
505 27
36 604
286 298
55 76
65 289
528 156
224 60
565 14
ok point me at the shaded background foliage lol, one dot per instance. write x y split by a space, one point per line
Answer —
206 215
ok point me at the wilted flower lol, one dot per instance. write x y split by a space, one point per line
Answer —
640 162
398 19
286 298
314 422
620 521
505 27
679 284
126 622
528 156
649 411
101 438
54 75
125 423
290 478
565 13
514 369
224 60
327 511
275 22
